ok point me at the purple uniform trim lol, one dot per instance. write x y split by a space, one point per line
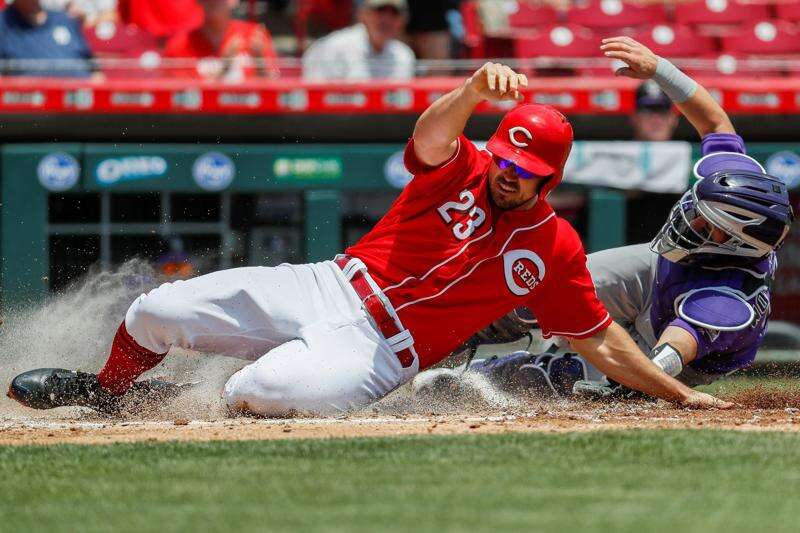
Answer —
722 142
725 161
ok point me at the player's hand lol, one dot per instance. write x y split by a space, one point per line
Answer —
701 400
494 81
641 60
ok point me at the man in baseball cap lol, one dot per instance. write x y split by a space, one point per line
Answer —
369 49
537 139
653 119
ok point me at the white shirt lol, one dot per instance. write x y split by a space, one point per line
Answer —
347 54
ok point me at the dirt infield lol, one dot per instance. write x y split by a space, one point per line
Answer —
758 410
74 330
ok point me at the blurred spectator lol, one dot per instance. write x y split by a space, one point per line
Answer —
428 27
653 119
162 18
367 50
38 42
226 49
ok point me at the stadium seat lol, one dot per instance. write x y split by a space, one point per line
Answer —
765 37
528 16
159 17
615 14
788 11
559 41
563 42
332 13
675 41
112 41
719 12
730 65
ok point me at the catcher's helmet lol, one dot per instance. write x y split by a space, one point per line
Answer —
729 217
537 138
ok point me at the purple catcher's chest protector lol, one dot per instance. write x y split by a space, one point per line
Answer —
726 309
716 309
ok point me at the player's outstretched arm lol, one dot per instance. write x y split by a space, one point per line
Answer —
616 355
691 98
440 125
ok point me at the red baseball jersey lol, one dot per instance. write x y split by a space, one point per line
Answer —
451 262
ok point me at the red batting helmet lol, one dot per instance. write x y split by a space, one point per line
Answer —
537 138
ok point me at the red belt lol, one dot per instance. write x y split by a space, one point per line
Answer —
374 305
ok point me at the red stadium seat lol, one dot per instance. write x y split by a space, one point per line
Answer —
730 65
528 16
559 41
332 13
788 11
675 41
112 41
162 18
766 37
719 12
614 14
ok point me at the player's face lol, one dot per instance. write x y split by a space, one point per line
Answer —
383 24
711 232
654 125
511 191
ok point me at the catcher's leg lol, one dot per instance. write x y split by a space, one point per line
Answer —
329 370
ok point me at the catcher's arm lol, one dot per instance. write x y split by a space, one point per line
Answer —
615 354
440 125
691 98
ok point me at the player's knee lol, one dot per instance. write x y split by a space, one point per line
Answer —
259 393
155 319
265 390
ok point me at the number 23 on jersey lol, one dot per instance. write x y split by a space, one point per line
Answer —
477 216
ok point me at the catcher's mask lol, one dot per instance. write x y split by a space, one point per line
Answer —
729 217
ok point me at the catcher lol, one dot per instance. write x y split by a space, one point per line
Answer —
697 299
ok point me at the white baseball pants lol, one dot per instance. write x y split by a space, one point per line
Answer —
314 347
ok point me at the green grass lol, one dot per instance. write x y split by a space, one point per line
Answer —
642 481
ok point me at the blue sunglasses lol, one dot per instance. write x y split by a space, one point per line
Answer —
521 172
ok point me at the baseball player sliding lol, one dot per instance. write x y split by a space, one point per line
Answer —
471 238
697 299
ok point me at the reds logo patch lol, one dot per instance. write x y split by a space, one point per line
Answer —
523 270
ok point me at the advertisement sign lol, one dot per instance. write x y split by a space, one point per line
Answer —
213 171
308 168
58 172
118 169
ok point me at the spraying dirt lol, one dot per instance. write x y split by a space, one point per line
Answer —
74 330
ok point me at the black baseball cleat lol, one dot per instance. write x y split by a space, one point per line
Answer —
48 388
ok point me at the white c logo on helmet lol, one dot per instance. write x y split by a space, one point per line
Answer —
513 131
